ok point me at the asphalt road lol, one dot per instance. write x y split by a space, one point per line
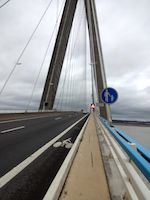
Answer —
33 181
19 139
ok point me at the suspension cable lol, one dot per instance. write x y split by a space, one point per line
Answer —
69 63
45 54
22 52
4 3
66 73
74 49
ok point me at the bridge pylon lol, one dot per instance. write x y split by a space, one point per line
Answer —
53 76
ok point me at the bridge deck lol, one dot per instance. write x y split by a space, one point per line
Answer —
87 179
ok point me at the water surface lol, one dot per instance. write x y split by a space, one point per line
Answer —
140 133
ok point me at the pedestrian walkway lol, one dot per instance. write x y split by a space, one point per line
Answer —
86 179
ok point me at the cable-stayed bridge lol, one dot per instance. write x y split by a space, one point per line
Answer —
60 148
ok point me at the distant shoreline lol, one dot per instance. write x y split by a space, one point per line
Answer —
131 123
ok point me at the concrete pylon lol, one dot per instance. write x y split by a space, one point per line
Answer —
52 80
97 56
59 51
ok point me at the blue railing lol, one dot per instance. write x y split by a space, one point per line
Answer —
141 156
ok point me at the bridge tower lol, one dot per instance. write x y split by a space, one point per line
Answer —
52 80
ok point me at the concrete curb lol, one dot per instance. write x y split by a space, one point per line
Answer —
55 188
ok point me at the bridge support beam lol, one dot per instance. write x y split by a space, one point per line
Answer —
96 55
58 55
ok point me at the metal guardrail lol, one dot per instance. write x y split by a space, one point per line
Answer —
142 150
136 187
140 156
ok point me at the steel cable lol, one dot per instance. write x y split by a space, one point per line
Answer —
4 4
45 54
22 52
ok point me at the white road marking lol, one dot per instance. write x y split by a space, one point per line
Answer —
16 170
57 144
57 118
65 143
13 129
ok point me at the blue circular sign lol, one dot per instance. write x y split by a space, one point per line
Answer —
109 95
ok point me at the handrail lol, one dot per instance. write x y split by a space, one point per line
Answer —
142 150
134 155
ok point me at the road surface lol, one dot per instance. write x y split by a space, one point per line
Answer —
21 138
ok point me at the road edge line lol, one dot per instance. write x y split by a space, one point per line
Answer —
16 170
56 186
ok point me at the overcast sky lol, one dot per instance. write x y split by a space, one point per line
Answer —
125 35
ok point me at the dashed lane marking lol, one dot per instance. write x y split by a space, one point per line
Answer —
12 129
57 118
